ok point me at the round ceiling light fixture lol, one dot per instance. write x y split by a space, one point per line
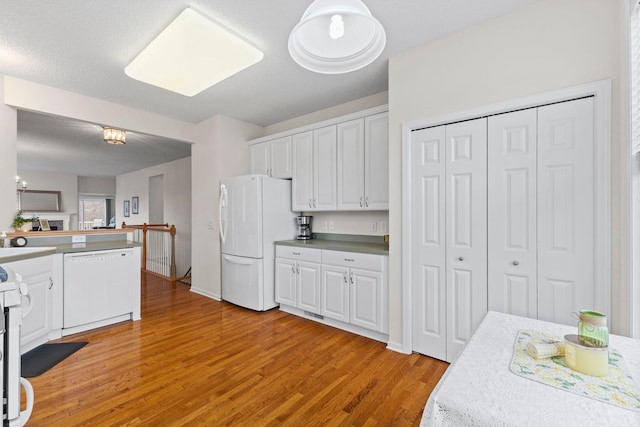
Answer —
336 36
114 136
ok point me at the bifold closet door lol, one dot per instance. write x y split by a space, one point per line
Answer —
449 274
428 272
566 195
466 235
541 196
512 229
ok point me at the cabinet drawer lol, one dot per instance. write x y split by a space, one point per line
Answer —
302 254
353 259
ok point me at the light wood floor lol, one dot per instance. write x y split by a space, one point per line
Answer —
199 362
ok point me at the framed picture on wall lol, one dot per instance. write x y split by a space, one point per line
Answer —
134 205
125 208
44 225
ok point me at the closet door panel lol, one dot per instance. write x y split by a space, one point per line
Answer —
429 245
512 228
466 230
565 209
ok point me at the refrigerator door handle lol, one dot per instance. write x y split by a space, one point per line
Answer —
223 212
238 260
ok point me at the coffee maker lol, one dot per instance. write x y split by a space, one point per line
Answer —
304 227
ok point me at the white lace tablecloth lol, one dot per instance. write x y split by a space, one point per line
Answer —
478 389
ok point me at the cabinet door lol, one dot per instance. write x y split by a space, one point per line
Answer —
281 158
302 182
260 158
566 223
325 172
376 162
511 197
428 272
335 292
37 275
466 213
366 300
286 281
350 177
308 288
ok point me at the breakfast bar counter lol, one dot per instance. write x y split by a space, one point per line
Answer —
481 389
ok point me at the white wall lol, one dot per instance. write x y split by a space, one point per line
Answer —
221 151
65 183
96 185
8 161
547 45
177 202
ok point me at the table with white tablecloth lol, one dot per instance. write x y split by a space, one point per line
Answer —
479 388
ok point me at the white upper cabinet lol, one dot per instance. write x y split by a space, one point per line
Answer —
272 158
302 183
376 161
314 170
351 165
260 155
363 172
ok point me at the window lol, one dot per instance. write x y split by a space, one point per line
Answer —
94 211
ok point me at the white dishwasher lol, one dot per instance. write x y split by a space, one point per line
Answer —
99 286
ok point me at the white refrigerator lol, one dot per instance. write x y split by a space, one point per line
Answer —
255 211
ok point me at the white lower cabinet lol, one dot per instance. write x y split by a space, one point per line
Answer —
347 287
298 278
37 274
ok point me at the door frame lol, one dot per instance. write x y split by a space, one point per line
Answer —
601 90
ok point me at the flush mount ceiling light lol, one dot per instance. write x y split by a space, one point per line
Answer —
336 36
192 54
115 136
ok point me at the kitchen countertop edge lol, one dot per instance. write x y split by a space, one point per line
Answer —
335 245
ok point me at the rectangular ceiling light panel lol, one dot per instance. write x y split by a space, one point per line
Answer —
192 54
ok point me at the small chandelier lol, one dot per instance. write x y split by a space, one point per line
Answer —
114 136
336 36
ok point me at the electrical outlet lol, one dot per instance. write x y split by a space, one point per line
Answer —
324 225
79 238
374 226
383 226
330 225
210 225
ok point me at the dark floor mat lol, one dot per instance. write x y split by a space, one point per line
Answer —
42 358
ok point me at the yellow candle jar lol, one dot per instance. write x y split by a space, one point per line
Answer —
587 360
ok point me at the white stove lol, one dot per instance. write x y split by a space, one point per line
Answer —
11 293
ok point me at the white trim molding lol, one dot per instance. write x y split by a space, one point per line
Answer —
601 91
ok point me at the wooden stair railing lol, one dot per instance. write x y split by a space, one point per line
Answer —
152 253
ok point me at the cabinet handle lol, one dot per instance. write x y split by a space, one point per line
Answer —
516 262
360 201
314 203
50 283
350 259
310 203
461 258
345 278
353 281
297 269
296 253
293 268
366 201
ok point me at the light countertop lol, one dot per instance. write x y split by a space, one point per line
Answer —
369 246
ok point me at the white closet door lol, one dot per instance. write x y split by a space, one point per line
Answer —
466 231
565 210
428 242
511 172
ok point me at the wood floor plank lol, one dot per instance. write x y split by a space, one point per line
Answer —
195 361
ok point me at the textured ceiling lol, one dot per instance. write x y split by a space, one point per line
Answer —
83 46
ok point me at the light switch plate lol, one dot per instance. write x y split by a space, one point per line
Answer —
79 238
